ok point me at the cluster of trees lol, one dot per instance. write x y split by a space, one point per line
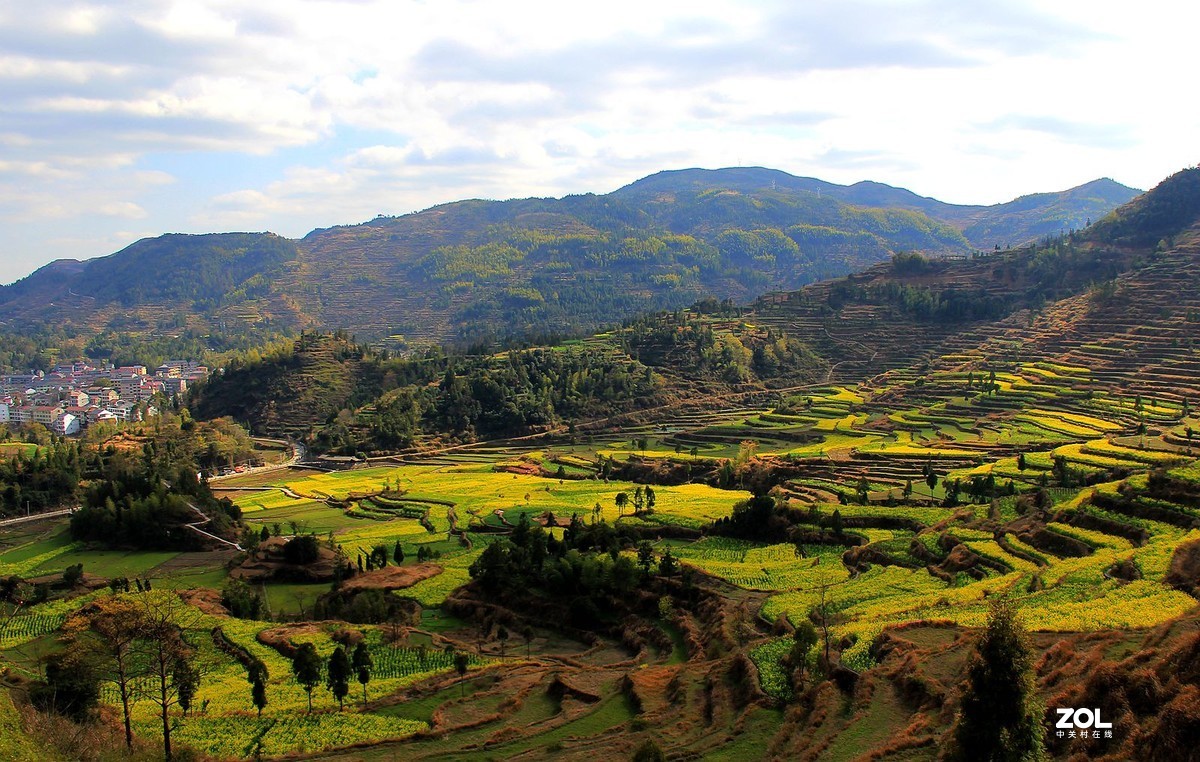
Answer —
925 303
357 399
242 600
643 501
41 347
47 478
586 566
144 502
679 340
139 645
761 518
308 668
491 396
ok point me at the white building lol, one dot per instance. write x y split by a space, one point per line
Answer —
66 425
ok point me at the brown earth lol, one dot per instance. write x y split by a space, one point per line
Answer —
267 563
391 577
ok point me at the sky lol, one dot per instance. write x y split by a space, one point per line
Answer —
122 119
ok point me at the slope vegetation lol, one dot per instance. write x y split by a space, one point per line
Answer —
475 270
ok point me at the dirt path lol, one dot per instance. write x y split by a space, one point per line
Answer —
195 526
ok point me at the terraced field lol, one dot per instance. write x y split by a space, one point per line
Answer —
1047 457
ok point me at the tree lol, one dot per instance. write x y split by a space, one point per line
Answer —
1001 718
622 501
650 499
379 555
461 662
306 666
258 692
667 565
111 632
362 664
823 613
337 675
645 555
398 553
170 662
502 636
71 687
73 575
301 550
803 640
187 680
649 752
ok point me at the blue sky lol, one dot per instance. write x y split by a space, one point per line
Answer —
125 119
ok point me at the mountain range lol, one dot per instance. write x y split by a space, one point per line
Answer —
475 269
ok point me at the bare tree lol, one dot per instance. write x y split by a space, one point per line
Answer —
171 666
112 631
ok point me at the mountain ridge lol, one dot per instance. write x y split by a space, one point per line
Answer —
474 269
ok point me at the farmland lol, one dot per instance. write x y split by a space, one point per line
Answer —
849 453
781 551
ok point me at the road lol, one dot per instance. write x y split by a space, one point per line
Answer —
195 526
37 516
298 455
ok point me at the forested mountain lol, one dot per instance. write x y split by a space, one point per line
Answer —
1014 223
475 270
347 398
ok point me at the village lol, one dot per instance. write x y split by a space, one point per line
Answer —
70 398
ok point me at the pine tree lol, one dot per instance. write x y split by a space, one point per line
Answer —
362 664
338 675
258 692
461 663
1001 717
306 666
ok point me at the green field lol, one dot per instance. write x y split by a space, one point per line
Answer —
847 454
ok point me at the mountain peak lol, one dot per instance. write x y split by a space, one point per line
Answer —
1169 208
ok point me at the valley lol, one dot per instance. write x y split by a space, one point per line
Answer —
773 529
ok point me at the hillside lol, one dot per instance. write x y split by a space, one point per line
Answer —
162 287
764 532
1061 300
1014 223
475 270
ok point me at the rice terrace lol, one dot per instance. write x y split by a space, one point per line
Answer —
790 528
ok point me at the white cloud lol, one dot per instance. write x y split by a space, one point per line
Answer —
123 209
386 106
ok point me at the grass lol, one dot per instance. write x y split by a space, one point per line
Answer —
290 599
18 746
107 563
10 449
